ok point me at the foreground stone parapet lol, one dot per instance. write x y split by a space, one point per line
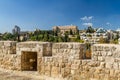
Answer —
8 47
28 50
66 60
43 48
62 60
107 54
8 57
72 50
108 57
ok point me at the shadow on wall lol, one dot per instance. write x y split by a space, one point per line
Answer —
88 51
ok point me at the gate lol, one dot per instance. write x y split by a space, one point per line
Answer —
29 61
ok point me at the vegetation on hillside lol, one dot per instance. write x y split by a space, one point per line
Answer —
45 36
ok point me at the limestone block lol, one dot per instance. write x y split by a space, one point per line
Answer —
68 65
117 60
7 44
61 50
104 53
63 46
113 48
119 65
96 53
109 53
48 70
115 66
77 46
1 43
99 48
65 60
101 59
112 72
98 70
78 62
99 53
94 48
93 64
55 46
75 66
107 48
109 65
94 58
84 62
56 64
70 46
102 64
41 69
62 65
55 71
109 59
96 77
48 67
117 72
107 71
77 57
65 72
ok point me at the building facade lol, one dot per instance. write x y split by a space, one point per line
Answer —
16 29
63 29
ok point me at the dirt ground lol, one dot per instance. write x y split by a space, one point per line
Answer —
23 75
18 75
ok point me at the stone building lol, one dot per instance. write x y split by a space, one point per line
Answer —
63 29
16 30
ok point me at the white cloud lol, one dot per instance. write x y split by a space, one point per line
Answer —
87 24
108 24
85 18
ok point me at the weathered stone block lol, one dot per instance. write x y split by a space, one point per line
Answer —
101 59
109 59
115 66
75 66
109 65
93 64
109 53
112 72
102 64
55 71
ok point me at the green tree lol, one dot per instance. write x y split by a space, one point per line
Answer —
60 39
40 37
33 38
102 40
77 33
66 38
71 33
46 37
78 38
90 30
51 39
37 32
7 36
55 33
56 39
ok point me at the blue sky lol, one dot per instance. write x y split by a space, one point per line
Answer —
43 14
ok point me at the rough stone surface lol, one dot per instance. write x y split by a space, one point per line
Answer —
64 60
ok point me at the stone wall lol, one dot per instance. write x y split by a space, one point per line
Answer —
65 60
8 57
108 57
42 49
